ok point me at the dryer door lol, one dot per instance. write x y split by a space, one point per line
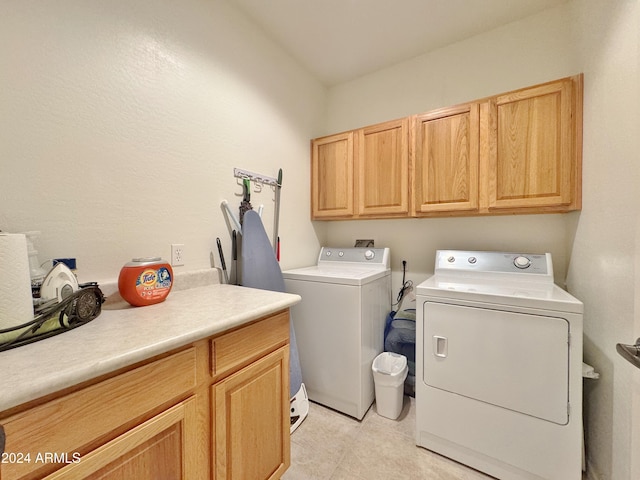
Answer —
516 361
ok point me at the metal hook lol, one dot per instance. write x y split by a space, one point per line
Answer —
231 216
631 353
240 181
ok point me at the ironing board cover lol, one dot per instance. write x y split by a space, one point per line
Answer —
260 269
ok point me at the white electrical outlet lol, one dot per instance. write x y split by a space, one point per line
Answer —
177 254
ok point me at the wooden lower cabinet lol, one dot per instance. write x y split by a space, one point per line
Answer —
159 448
248 443
216 409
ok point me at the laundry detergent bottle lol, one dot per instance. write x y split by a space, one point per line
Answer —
145 281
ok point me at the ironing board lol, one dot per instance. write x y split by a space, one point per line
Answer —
260 269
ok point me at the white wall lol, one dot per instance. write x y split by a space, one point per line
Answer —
597 248
604 259
121 123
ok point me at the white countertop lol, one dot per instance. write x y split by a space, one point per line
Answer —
122 335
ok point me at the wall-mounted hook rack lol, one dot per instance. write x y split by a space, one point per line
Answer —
255 177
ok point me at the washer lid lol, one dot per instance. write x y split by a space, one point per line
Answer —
343 275
523 294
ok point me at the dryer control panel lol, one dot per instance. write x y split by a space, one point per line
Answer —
472 262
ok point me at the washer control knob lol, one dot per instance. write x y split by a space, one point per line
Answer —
341 253
522 262
451 259
472 260
328 253
369 254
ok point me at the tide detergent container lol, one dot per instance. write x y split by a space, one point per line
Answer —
145 281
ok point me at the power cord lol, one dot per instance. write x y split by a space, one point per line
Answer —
407 285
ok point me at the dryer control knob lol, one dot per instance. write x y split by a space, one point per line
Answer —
369 254
521 262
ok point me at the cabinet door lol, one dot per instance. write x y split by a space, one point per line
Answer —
251 428
159 448
82 418
445 161
534 147
383 169
332 176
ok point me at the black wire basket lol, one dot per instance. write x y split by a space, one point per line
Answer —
54 318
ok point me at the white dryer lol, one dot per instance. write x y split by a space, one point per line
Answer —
499 366
339 325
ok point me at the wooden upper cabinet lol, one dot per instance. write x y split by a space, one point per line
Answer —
383 169
533 149
518 152
332 176
445 149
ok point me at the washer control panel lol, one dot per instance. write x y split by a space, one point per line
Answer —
368 256
505 262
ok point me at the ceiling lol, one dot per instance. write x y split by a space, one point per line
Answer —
339 40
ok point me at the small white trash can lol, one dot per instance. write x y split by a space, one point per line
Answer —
389 373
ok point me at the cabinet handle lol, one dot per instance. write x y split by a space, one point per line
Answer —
440 346
630 353
2 439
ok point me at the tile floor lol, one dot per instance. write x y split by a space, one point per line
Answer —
332 446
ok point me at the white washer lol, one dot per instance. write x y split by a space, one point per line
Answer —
499 366
339 325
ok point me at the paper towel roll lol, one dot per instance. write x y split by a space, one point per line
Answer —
16 303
